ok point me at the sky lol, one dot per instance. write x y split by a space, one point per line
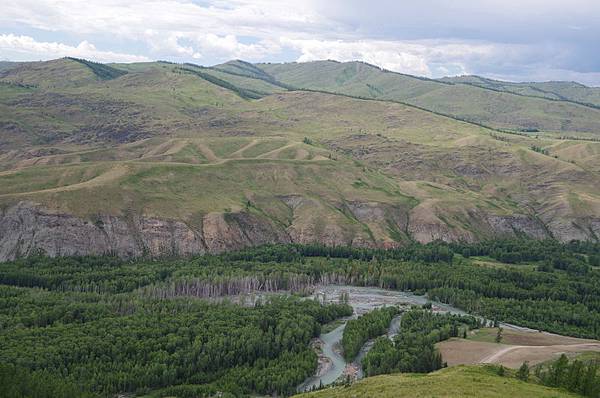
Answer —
526 40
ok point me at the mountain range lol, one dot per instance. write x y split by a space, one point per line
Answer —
160 158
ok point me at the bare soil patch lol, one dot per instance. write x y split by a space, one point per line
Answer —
534 348
461 351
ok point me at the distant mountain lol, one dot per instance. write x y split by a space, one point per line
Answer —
497 109
6 65
560 91
161 158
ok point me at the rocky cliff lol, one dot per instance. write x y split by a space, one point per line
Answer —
28 228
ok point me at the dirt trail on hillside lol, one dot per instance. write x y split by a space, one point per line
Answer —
239 152
514 356
276 151
207 152
111 175
461 351
498 354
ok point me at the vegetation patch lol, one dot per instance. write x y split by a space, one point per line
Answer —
244 93
459 381
103 71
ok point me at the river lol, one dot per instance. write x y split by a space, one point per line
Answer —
362 300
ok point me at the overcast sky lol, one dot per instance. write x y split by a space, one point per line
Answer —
526 40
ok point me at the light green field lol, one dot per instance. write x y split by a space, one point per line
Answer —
458 381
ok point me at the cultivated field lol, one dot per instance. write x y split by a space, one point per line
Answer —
515 348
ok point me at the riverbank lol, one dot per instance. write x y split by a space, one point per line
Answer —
362 300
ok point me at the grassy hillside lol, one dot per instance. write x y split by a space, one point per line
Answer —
88 139
459 381
493 108
7 65
564 91
60 73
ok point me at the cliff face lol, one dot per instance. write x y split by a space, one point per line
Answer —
27 228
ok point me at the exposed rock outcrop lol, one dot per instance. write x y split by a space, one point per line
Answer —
309 224
517 223
232 231
28 228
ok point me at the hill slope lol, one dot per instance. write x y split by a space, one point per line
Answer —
161 158
493 108
458 381
563 91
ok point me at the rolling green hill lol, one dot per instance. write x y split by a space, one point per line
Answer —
458 381
499 109
561 91
160 158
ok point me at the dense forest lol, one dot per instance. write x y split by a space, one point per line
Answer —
107 343
103 325
576 376
18 382
370 325
413 348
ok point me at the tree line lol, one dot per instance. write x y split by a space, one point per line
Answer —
113 343
370 325
109 325
575 376
413 348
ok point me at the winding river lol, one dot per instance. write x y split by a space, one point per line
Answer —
362 300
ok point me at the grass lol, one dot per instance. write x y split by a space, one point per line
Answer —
263 147
104 72
41 178
188 154
487 335
484 261
183 139
564 91
459 381
478 104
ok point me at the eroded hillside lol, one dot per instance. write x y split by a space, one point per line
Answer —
160 158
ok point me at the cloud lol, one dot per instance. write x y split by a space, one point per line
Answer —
426 37
179 29
130 19
389 55
27 48
432 58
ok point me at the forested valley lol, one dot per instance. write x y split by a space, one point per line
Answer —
413 349
95 326
368 326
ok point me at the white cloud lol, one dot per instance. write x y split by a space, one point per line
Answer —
389 55
181 30
425 57
27 48
172 28
428 37
228 46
